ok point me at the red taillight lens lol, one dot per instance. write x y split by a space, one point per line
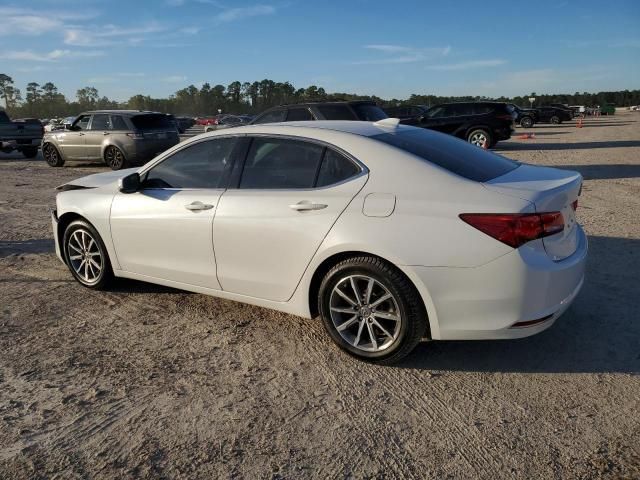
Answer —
516 229
574 205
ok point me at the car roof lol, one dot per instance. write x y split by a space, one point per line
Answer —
335 102
364 129
123 112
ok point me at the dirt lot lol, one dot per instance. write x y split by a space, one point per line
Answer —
145 381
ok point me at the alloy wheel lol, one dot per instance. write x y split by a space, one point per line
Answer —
51 155
478 139
365 313
84 256
114 158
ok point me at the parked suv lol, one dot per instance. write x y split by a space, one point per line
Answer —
116 137
553 115
481 123
408 114
356 110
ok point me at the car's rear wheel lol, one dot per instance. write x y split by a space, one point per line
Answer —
30 152
52 156
526 122
371 310
114 158
480 138
555 120
86 256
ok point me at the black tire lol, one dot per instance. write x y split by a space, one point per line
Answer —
30 152
114 158
52 155
412 315
555 120
526 122
476 136
82 228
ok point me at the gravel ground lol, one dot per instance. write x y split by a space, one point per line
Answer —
149 382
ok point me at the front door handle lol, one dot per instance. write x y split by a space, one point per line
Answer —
198 206
105 133
305 205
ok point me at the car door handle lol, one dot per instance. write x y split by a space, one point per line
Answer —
198 206
80 134
105 133
305 205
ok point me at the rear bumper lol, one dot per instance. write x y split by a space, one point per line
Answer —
487 302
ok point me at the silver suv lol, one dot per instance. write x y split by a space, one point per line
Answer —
116 137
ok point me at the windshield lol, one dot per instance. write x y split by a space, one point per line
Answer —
450 153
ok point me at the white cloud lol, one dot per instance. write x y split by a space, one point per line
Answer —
472 64
233 14
174 79
190 30
109 35
403 54
52 56
25 21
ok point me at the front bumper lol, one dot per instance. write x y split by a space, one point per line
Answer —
54 226
487 302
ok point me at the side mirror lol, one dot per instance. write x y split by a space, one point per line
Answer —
130 183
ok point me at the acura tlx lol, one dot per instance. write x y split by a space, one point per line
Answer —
390 234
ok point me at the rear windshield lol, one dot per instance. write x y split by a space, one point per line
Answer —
153 121
450 153
369 113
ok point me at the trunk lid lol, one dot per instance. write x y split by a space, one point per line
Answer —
550 190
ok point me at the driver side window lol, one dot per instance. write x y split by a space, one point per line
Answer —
201 165
82 122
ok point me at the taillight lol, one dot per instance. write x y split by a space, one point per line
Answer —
516 229
504 117
136 135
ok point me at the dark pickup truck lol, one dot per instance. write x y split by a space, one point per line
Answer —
22 135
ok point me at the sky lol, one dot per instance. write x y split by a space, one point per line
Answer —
386 48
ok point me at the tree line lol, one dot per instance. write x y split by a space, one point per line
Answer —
45 101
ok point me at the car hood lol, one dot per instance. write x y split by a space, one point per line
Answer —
98 179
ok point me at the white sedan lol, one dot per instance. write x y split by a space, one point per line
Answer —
391 234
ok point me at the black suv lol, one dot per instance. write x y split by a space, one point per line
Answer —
356 110
481 123
553 115
408 114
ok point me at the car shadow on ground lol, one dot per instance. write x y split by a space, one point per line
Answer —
515 146
604 172
600 333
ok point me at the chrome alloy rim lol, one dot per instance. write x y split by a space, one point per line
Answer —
50 154
365 313
114 157
478 139
84 256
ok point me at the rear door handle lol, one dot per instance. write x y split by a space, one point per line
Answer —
305 205
198 206
105 133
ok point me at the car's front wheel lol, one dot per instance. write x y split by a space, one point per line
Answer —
52 156
371 310
526 122
114 158
480 138
86 256
555 120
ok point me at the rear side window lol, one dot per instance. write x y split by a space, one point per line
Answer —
201 165
336 112
272 117
450 153
100 122
369 113
118 123
281 163
335 168
299 114
152 121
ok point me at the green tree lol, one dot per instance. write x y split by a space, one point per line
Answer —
6 82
